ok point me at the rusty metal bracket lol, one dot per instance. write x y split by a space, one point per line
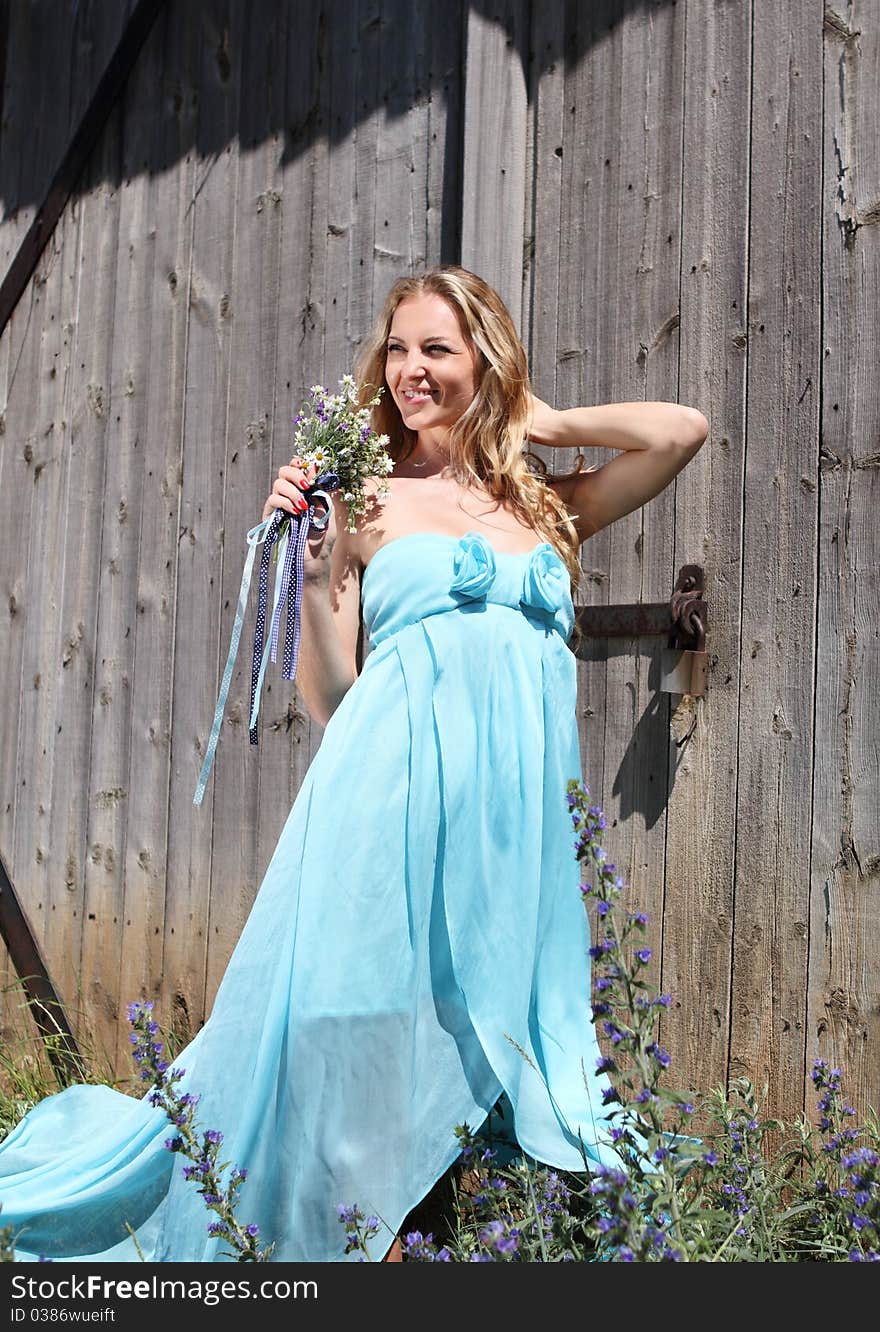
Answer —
46 1007
682 619
678 617
625 621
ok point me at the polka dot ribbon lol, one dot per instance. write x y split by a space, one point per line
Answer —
289 533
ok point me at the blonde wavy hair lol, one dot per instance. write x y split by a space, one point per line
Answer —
488 442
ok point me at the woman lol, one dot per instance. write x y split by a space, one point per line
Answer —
418 947
458 412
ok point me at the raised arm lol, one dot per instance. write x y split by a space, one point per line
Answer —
656 440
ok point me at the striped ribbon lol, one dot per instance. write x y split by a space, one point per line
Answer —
289 533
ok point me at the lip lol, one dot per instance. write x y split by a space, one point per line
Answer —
415 397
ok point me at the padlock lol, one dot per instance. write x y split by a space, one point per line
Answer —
684 663
684 672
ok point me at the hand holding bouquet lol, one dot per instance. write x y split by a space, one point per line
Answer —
334 437
335 445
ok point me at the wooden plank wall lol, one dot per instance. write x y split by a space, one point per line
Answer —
677 200
845 872
775 740
701 885
243 215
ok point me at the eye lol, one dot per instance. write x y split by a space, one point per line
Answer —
437 347
394 347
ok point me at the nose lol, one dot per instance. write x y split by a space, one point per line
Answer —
413 365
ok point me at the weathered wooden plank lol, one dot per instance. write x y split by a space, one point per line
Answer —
23 347
30 415
93 869
19 359
446 35
23 353
127 334
255 298
658 270
524 317
621 147
701 814
306 188
197 626
4 43
494 159
39 574
167 242
363 233
5 348
61 705
98 29
338 251
400 171
7 970
343 36
775 743
41 554
47 782
552 300
844 1010
586 222
544 220
642 182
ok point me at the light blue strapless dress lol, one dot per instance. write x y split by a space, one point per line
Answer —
418 931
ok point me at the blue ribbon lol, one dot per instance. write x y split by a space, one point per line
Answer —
290 533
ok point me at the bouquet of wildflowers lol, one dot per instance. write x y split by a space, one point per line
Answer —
333 431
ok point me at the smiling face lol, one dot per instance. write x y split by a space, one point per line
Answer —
430 366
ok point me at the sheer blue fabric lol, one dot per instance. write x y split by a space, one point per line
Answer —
418 948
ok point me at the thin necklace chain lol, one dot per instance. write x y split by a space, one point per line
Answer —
425 463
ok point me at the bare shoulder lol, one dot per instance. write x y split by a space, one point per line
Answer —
360 533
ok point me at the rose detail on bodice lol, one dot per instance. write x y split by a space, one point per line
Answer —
474 567
545 584
546 581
